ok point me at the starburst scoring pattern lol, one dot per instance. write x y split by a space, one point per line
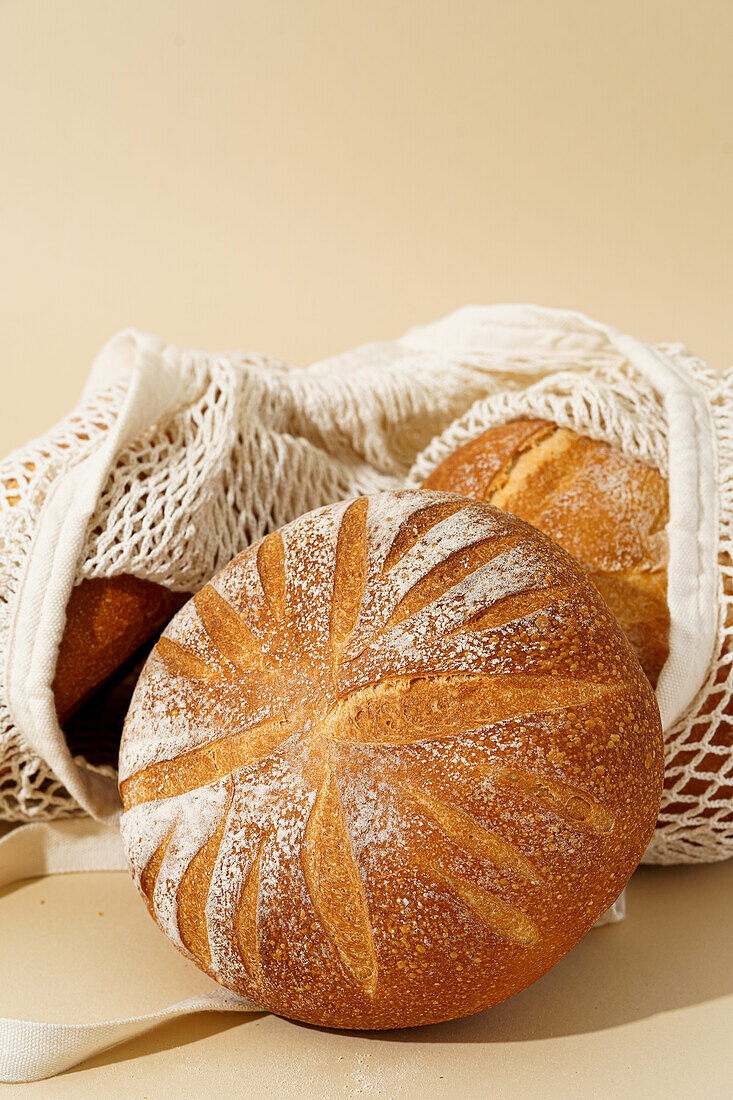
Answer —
348 703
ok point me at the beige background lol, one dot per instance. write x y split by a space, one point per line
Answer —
297 177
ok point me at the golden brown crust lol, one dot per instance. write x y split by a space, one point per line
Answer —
107 620
433 762
607 510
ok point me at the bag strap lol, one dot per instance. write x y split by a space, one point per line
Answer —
31 1050
60 847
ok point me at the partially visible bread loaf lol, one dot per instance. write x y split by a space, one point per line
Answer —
607 510
390 765
107 620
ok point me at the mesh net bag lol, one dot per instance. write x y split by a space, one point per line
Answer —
175 461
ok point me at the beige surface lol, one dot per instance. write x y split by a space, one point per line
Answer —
297 178
643 1008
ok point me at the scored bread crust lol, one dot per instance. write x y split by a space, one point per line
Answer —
390 765
607 510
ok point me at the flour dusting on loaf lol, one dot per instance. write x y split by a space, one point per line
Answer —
390 764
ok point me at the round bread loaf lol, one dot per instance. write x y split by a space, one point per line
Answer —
607 510
390 765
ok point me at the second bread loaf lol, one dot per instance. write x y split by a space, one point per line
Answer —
605 509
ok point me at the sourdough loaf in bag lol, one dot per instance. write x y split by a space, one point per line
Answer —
607 510
390 764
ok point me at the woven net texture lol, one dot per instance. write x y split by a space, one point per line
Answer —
257 443
695 823
28 788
